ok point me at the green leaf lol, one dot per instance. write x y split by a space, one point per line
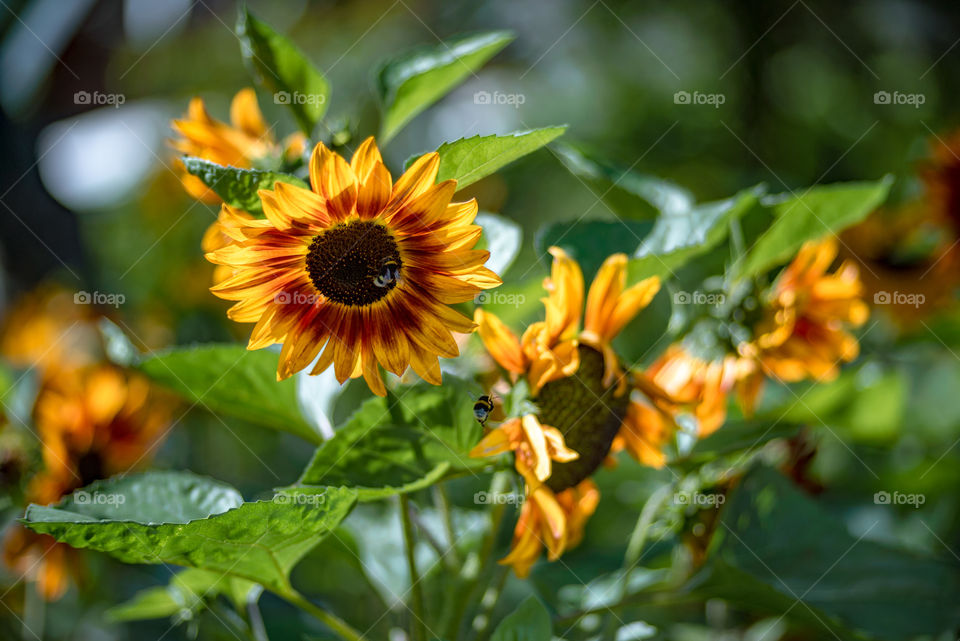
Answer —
184 519
679 236
238 187
529 622
183 597
629 193
815 213
415 80
590 242
502 237
469 159
284 70
400 443
775 546
231 380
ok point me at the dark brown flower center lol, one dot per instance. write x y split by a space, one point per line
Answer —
355 263
587 413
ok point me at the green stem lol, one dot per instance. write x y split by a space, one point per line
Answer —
442 502
464 597
335 623
418 628
489 602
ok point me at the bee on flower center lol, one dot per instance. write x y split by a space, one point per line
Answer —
389 273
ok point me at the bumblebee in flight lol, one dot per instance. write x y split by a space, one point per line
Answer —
482 409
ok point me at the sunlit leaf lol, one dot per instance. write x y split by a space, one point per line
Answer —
684 234
469 159
238 187
184 519
283 69
808 215
400 443
415 80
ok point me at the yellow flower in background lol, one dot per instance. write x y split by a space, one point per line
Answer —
242 143
705 385
48 330
359 264
93 422
585 402
804 332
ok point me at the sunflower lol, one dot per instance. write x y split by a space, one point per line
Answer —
704 386
914 248
245 142
358 263
586 403
47 330
93 422
804 331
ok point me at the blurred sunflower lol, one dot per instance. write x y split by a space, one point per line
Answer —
360 264
47 330
245 142
93 422
585 402
799 330
705 385
804 332
910 254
